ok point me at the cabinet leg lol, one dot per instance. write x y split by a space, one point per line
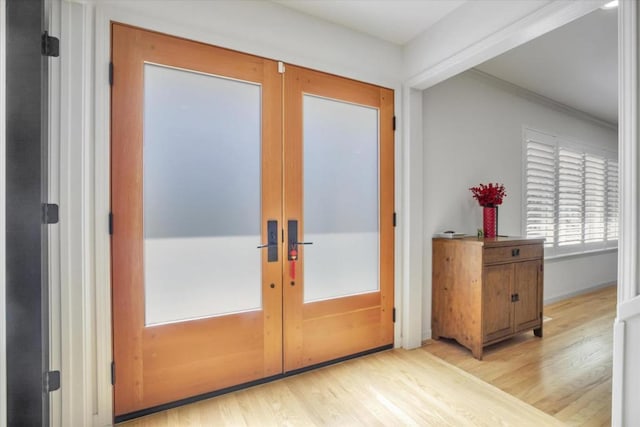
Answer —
477 352
538 331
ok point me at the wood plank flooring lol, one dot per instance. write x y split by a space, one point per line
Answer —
392 388
567 373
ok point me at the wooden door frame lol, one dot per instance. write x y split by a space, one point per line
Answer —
297 314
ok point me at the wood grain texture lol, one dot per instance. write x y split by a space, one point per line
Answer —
475 287
392 388
164 363
457 292
497 308
567 374
316 332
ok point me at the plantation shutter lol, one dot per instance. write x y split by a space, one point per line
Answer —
595 181
612 200
540 188
570 192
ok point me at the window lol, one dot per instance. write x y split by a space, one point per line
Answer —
570 194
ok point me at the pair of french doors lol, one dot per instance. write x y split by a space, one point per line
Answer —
252 209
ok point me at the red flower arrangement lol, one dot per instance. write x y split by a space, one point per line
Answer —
489 195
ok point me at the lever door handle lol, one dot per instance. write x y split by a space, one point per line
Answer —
272 241
304 243
267 245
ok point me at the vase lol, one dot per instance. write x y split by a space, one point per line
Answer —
489 221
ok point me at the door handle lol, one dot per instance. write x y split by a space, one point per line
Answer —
292 252
292 239
272 241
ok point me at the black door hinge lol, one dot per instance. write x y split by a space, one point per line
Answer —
395 219
50 45
113 373
51 381
394 122
110 223
110 73
50 213
394 315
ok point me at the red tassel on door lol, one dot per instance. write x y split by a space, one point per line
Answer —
293 256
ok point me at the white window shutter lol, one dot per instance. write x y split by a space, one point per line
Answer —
570 196
540 190
612 200
594 198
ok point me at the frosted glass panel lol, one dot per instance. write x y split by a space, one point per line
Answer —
340 198
201 195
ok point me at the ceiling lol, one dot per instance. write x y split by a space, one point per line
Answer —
396 21
575 65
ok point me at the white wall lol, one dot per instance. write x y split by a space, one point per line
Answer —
276 32
473 127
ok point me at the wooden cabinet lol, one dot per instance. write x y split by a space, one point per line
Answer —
486 290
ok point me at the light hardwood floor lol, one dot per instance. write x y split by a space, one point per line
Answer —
392 388
567 373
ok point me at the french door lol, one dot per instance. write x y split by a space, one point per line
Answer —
252 218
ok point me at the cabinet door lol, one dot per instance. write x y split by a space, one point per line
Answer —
527 285
497 309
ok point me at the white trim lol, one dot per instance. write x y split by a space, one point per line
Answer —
399 239
537 98
628 190
413 219
3 253
102 206
627 149
629 309
78 368
617 386
565 256
53 169
577 293
547 18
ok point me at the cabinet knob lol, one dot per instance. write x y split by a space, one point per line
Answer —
515 252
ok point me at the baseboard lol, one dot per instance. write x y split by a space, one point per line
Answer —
578 292
426 335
